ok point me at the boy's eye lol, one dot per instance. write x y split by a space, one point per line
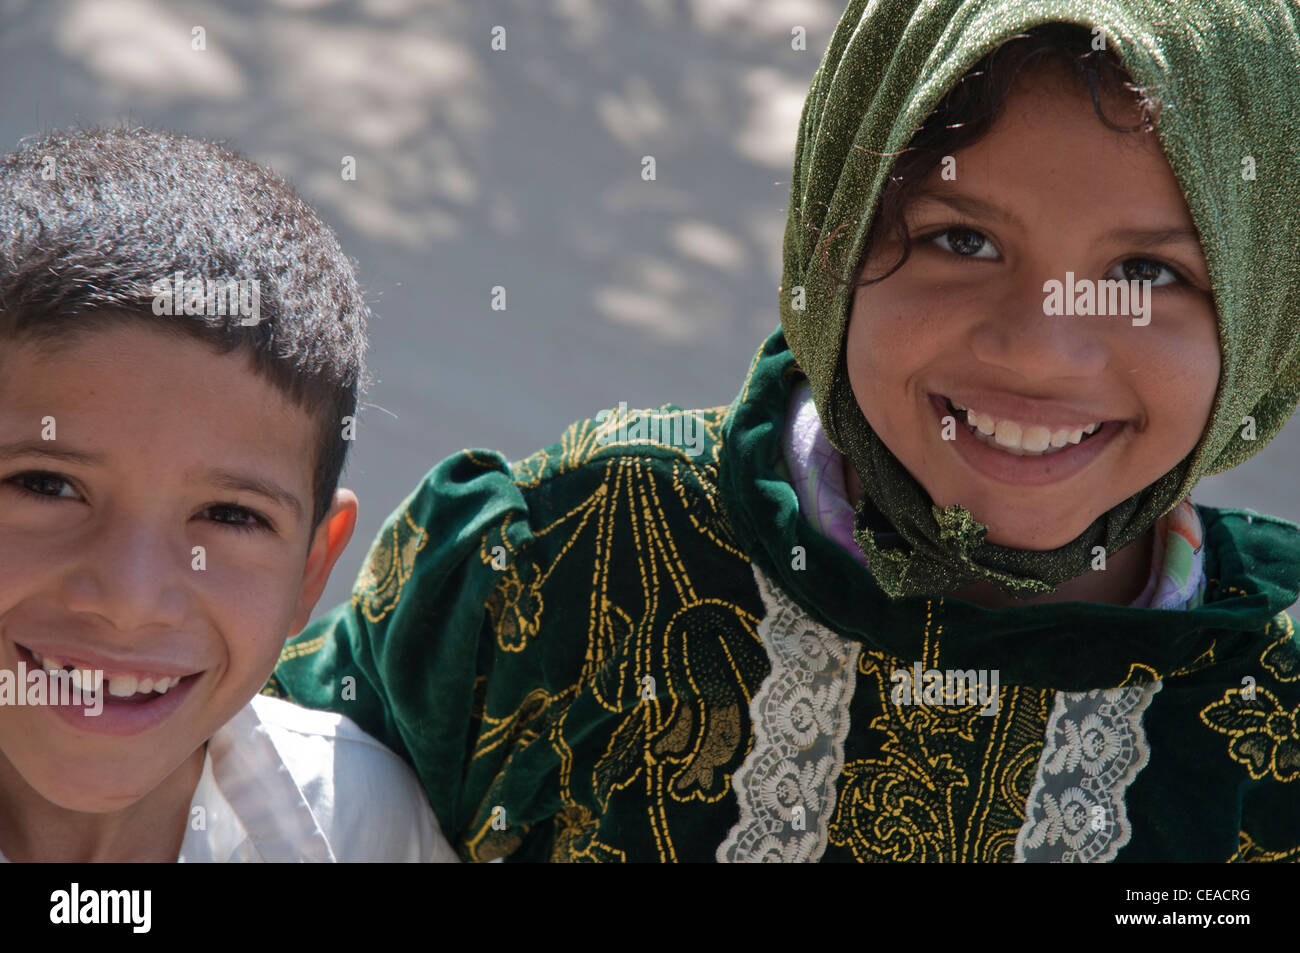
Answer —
45 485
236 517
963 241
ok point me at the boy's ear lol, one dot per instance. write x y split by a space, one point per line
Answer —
327 545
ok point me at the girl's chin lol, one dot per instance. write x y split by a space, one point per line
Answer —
1037 534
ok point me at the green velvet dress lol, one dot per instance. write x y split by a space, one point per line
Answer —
615 650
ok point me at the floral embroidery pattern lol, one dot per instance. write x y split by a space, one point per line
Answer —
1282 658
388 565
515 606
1095 748
1265 736
800 715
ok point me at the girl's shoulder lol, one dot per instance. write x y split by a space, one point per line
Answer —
1252 552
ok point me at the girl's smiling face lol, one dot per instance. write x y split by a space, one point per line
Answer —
1049 190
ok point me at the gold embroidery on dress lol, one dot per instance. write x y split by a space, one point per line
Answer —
949 783
1250 852
1139 674
1265 737
575 839
1282 658
665 671
1204 660
388 565
299 649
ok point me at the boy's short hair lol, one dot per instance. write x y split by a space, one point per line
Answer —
92 220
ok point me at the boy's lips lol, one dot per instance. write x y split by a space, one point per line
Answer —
1039 470
132 710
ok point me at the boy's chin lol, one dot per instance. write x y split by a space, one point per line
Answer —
92 789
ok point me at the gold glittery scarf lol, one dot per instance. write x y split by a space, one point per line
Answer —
1225 72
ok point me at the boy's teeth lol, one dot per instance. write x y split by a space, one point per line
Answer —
1022 439
121 686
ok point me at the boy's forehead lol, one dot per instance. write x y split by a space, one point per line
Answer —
164 398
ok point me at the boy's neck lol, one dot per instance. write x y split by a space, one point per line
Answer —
151 830
1125 578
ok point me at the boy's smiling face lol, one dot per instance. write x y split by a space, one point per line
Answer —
161 445
963 321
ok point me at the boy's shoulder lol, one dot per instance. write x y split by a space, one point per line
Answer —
307 784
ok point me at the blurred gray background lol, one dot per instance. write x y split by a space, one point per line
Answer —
477 168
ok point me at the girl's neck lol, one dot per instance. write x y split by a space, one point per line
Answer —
150 830
1122 581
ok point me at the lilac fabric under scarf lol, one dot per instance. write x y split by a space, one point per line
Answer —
1176 581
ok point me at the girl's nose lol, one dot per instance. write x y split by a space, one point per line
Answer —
1016 334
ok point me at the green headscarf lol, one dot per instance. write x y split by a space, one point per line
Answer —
1226 73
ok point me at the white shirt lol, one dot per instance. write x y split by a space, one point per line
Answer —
282 783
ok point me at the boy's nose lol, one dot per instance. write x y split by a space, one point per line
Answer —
129 574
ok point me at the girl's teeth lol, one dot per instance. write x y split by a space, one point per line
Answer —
1019 439
1007 433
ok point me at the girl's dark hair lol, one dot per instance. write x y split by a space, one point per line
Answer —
968 111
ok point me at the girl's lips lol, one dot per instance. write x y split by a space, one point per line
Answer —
1026 470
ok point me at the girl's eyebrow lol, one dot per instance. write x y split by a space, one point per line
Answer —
1148 237
39 448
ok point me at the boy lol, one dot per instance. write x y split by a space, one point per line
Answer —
183 343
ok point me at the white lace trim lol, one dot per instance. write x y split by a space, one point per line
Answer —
1094 747
800 717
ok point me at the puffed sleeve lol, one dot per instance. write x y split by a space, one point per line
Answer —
406 658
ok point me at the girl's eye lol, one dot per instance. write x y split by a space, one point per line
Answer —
236 517
45 485
1149 271
965 242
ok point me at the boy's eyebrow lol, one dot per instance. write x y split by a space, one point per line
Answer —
44 448
970 205
232 480
224 479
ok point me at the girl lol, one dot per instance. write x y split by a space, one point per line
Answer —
934 590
